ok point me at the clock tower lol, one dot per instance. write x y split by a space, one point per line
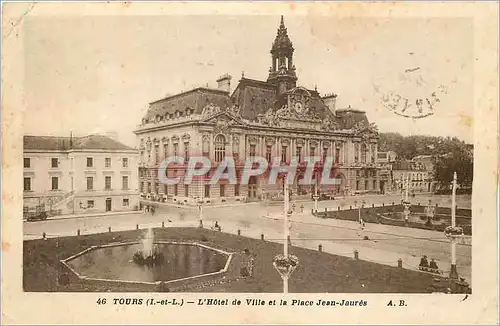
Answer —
282 70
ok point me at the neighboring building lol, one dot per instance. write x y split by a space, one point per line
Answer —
71 175
426 160
421 180
272 118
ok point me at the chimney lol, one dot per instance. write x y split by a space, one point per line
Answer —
330 101
224 83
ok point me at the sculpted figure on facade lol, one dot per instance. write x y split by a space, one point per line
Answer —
210 110
329 124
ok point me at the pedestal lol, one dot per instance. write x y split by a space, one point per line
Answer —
453 272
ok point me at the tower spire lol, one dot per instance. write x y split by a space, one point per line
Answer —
282 70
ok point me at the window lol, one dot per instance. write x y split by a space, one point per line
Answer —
125 182
269 153
298 153
55 183
55 163
107 162
357 184
157 154
236 189
252 150
312 151
283 154
107 183
374 150
90 183
186 151
125 201
374 184
222 190
364 149
165 150
220 148
186 191
325 153
337 155
356 152
148 188
125 162
27 162
90 204
27 184
176 149
90 162
176 189
207 191
366 184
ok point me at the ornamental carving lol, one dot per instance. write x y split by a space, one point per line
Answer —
313 143
223 125
326 144
210 110
235 110
186 137
253 140
300 142
270 141
285 142
175 139
236 139
165 140
329 124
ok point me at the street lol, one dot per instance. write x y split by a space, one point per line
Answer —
377 243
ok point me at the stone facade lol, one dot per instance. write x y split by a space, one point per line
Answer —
273 118
79 175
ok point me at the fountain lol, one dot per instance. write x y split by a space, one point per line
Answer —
148 261
149 253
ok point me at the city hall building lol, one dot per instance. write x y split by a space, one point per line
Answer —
268 118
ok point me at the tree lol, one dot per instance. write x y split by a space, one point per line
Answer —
459 160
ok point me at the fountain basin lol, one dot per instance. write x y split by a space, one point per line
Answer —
181 261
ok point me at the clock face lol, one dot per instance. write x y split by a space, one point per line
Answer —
299 107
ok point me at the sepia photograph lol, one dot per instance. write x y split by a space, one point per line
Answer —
268 153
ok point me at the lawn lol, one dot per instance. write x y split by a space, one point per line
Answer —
318 272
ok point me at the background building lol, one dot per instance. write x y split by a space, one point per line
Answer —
272 118
71 175
421 180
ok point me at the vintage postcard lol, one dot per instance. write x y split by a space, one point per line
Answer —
249 163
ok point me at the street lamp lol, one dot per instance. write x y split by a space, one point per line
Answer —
453 232
316 196
285 264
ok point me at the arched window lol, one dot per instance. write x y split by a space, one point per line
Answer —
220 148
364 149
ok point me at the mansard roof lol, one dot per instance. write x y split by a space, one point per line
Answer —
195 100
54 143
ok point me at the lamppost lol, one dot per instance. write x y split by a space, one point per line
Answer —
316 196
453 232
285 264
429 211
406 201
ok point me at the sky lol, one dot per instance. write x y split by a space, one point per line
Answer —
97 74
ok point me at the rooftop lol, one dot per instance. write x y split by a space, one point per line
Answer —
55 143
